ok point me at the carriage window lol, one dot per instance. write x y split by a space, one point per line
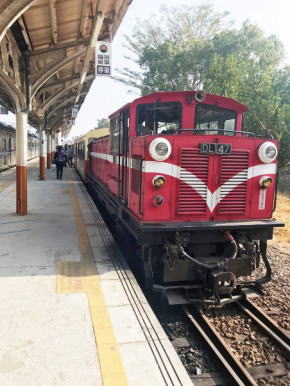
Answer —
210 119
158 118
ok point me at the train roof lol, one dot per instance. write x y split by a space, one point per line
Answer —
96 133
4 126
211 99
11 129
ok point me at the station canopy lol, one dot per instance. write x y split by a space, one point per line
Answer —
47 60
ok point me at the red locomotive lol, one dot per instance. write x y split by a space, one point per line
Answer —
193 190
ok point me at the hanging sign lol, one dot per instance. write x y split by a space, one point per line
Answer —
103 58
74 111
3 110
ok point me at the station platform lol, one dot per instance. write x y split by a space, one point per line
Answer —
71 310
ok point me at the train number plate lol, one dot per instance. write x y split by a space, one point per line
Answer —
215 148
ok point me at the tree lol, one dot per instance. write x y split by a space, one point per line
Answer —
245 65
103 123
195 47
169 51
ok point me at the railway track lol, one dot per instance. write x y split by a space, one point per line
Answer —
231 370
270 327
228 369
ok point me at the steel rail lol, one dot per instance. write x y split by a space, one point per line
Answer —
270 328
236 373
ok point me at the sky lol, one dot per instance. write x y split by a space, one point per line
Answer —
107 95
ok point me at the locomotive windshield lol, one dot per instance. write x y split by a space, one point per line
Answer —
158 118
214 120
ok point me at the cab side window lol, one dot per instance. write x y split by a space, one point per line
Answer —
124 124
119 128
114 133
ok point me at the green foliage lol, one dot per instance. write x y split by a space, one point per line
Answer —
103 123
169 52
245 65
190 48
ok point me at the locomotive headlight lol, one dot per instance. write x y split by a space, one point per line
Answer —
265 182
267 152
160 149
158 181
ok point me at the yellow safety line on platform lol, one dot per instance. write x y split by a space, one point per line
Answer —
83 277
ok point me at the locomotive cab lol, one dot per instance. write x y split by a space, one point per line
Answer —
193 189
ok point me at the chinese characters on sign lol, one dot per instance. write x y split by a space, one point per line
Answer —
103 59
70 122
3 110
74 112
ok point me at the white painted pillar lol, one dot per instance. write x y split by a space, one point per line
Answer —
21 163
53 146
59 142
42 155
48 157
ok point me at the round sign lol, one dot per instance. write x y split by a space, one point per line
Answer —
103 48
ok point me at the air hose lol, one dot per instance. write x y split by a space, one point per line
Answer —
218 265
233 243
197 262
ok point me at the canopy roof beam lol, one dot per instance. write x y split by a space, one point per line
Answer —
58 120
51 100
47 51
62 81
63 104
55 68
78 44
10 11
84 18
53 20
25 34
9 85
97 25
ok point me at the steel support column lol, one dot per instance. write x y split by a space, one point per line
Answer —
21 163
48 156
42 156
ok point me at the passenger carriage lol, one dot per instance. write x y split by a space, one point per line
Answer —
8 146
80 150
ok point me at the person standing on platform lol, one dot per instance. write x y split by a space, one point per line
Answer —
69 154
60 159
